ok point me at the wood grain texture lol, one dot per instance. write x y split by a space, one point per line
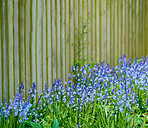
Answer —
67 43
71 36
16 45
89 34
63 38
22 43
10 48
38 46
1 70
48 39
115 34
33 41
146 27
98 31
27 46
103 30
44 64
133 28
59 75
5 50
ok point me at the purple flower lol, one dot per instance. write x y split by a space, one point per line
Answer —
79 125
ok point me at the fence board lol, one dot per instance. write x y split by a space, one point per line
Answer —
53 36
127 25
33 41
116 38
10 48
97 32
85 13
71 36
130 6
103 30
143 15
27 46
22 45
16 45
48 37
112 33
89 34
5 50
133 29
44 64
63 38
93 30
1 69
146 27
137 29
58 40
67 38
38 47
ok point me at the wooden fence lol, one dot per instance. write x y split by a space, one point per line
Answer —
36 37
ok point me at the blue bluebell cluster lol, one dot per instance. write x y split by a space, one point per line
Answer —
117 88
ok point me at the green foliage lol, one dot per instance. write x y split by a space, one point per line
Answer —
79 45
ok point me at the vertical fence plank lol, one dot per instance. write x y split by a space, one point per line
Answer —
97 32
48 39
5 51
63 39
146 26
108 5
44 64
58 41
141 26
119 28
76 27
93 30
103 30
22 46
121 31
54 38
79 24
123 25
16 46
89 34
67 39
118 31
115 34
39 52
33 25
33 42
10 48
27 45
116 27
1 92
137 28
71 20
85 39
95 46
127 25
130 27
112 32
133 27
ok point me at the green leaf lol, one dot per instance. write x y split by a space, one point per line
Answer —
31 124
56 124
86 123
